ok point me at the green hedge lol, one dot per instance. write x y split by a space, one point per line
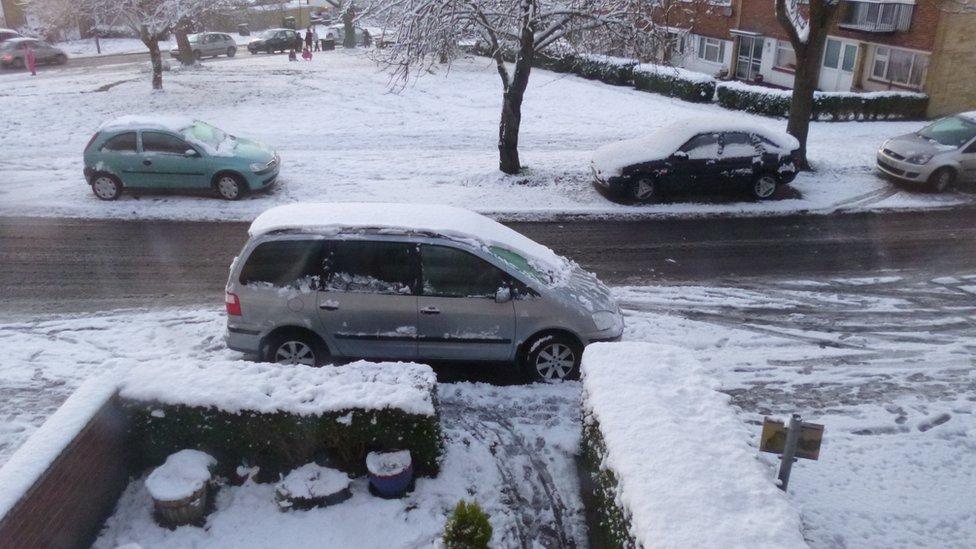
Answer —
673 83
279 442
613 525
826 105
611 70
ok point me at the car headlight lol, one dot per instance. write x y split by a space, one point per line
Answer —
606 320
257 167
918 158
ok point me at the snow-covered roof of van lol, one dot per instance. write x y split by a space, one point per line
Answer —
448 221
171 123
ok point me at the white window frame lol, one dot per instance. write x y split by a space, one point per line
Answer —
882 54
782 45
704 42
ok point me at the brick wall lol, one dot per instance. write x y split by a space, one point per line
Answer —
67 505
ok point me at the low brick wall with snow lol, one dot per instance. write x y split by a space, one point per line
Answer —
670 462
59 487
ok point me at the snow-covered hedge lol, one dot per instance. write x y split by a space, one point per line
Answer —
618 71
675 82
887 105
279 418
671 463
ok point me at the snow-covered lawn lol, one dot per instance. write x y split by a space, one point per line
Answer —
884 362
343 136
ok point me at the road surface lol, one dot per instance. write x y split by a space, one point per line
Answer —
50 265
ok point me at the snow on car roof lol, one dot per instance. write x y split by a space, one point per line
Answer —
666 140
174 124
971 115
448 221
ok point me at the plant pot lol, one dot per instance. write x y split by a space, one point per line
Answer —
390 473
189 510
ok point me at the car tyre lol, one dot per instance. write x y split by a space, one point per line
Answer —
942 180
60 59
764 186
551 358
198 55
17 63
295 348
643 190
106 187
230 186
231 52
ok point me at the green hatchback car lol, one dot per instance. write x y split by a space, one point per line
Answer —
175 153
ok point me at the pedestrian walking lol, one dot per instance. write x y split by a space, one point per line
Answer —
291 55
31 60
315 38
298 42
367 39
308 38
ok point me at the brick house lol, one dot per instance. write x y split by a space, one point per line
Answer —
909 45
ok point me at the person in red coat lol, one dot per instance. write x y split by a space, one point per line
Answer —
31 60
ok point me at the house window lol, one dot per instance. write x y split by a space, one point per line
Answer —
711 49
899 66
785 56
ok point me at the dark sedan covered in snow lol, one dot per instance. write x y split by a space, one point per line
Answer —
698 155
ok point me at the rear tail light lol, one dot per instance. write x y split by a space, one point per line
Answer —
7 57
233 304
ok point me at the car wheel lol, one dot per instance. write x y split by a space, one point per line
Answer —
231 52
764 186
17 63
106 187
198 55
229 186
552 358
643 190
942 179
60 59
292 349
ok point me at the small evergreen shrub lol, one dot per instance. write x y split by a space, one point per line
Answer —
467 527
831 106
674 82
610 70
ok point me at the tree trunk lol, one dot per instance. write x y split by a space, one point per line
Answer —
183 43
348 16
508 128
801 106
157 62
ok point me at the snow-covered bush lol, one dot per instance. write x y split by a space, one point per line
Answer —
617 71
670 462
831 106
467 527
279 418
674 82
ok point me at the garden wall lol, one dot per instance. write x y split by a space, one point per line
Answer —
58 488
669 461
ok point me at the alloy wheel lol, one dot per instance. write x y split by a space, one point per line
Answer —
294 352
555 362
643 189
764 187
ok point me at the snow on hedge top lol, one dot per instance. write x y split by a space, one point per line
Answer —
236 386
175 124
737 85
611 159
181 476
686 474
675 72
449 221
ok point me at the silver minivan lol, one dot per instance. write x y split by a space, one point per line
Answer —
317 283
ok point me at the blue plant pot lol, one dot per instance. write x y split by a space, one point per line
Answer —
393 486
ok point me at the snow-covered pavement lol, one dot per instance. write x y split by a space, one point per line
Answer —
344 136
884 362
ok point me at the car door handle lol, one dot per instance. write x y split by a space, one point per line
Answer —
430 311
329 306
147 162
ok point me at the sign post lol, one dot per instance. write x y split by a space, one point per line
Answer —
798 440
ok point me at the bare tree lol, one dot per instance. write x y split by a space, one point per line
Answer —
428 31
808 34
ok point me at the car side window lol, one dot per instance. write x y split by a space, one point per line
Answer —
738 145
359 266
971 149
284 264
124 142
449 272
156 142
700 147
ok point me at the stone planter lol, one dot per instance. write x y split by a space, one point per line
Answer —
180 488
312 485
390 473
189 510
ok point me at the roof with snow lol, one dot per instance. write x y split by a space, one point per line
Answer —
448 221
971 115
666 140
175 124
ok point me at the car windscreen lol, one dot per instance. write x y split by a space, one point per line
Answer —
194 38
953 131
520 263
268 34
205 133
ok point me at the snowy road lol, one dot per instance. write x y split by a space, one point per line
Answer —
58 265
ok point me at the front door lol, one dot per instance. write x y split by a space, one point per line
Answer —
460 318
748 58
837 73
165 159
368 298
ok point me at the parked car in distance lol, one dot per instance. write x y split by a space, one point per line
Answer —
699 155
153 152
273 40
337 32
7 34
320 282
938 155
209 44
13 53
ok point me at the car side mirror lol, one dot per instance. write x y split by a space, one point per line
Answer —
503 295
191 153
